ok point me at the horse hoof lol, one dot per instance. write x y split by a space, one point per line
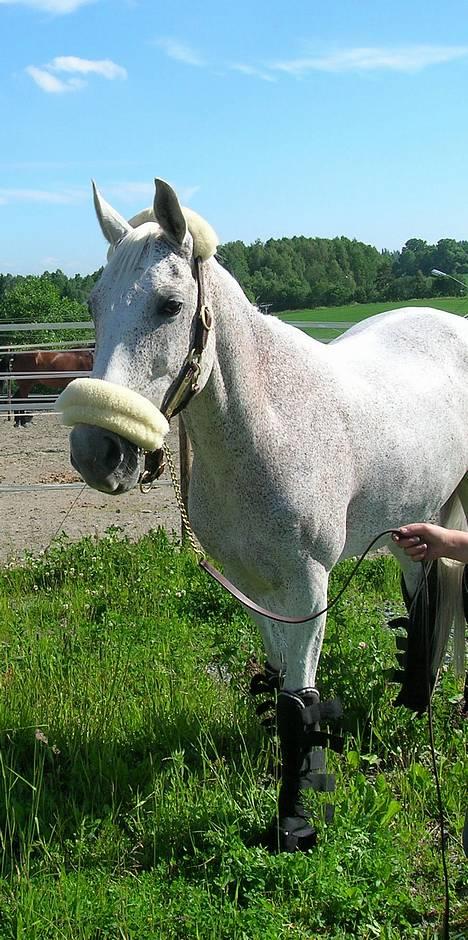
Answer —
293 834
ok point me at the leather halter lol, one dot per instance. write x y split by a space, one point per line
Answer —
185 386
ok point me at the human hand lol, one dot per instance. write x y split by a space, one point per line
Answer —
423 541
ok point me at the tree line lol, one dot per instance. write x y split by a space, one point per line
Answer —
46 298
287 273
296 273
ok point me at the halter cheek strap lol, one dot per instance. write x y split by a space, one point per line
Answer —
185 386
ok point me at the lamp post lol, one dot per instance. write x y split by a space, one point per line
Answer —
438 273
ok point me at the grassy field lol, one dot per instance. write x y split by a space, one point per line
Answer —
352 313
134 778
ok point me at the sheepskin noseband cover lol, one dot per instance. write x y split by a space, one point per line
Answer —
114 407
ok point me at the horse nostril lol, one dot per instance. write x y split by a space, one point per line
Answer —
105 461
112 453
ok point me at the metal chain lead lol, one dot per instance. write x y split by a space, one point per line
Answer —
178 495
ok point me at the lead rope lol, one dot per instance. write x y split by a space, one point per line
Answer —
69 510
178 495
445 932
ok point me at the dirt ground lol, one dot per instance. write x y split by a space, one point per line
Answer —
30 516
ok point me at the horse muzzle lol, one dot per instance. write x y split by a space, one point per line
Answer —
111 426
106 461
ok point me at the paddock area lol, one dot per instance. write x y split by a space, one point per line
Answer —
38 486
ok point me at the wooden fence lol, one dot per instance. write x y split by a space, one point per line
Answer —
39 403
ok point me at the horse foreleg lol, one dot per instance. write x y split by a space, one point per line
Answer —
299 712
276 638
16 411
23 390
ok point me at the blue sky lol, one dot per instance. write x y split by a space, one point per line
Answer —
345 117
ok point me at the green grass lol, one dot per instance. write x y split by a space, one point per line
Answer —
353 313
134 778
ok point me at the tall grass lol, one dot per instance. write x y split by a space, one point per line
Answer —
135 781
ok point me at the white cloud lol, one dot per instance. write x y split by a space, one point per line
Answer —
373 58
68 63
53 197
50 6
71 63
253 72
122 190
180 51
128 191
185 193
50 83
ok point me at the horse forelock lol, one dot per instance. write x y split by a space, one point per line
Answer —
133 255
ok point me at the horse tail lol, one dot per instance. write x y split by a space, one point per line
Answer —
450 615
433 617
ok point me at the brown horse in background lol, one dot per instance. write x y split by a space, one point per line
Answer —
42 363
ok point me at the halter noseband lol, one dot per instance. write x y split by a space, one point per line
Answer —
185 386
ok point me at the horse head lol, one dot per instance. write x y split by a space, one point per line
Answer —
144 307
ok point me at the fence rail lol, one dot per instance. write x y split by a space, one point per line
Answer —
33 327
59 345
320 324
27 406
39 376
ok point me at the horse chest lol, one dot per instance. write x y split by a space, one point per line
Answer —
258 527
225 512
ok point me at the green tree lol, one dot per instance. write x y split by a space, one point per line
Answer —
38 300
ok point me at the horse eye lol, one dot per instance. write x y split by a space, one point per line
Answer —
170 308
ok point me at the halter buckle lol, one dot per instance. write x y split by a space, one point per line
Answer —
153 469
205 317
193 359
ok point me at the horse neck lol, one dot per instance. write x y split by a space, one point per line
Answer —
229 411
224 401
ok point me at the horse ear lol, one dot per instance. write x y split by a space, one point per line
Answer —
113 225
168 213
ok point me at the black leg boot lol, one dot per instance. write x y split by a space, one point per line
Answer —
302 765
294 833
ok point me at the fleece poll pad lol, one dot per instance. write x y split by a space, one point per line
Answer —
205 239
114 407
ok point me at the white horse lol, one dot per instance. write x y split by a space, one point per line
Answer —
302 452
